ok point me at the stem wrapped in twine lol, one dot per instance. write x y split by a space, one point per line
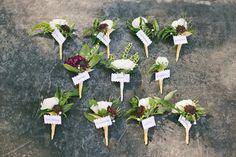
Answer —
145 50
178 52
105 128
108 51
121 91
80 89
187 135
145 136
60 51
161 85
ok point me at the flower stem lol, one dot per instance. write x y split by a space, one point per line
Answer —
53 128
121 91
187 135
145 136
60 51
108 51
145 50
105 128
178 52
80 89
161 85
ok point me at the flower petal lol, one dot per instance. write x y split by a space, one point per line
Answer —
108 22
125 64
144 102
136 22
49 103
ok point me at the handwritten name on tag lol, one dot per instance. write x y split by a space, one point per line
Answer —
180 40
101 122
148 122
120 77
80 78
103 38
162 75
185 122
144 38
58 36
49 119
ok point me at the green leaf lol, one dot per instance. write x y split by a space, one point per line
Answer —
71 68
134 102
85 51
132 117
130 111
67 107
102 112
92 102
95 60
44 26
58 93
90 117
170 95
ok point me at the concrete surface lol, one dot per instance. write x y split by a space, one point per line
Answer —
30 71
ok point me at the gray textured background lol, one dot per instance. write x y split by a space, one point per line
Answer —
30 71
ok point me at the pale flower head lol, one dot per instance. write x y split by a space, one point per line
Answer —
181 104
162 60
136 22
180 22
144 102
49 103
125 64
108 22
100 105
55 22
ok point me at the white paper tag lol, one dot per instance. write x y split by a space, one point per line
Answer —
103 38
162 75
58 36
144 38
80 78
50 119
185 122
180 39
101 122
120 77
148 122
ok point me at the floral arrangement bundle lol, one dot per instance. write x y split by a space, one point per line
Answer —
159 69
189 112
145 28
103 114
60 29
122 67
101 30
52 108
143 110
82 64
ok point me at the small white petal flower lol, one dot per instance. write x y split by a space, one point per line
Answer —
136 22
144 102
180 22
125 64
181 104
100 105
55 22
49 103
162 60
108 22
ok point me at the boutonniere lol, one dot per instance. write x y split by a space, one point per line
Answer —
180 30
60 29
103 114
190 112
145 28
143 110
122 67
53 108
82 64
159 69
101 31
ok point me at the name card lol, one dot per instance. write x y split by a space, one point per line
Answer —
148 122
101 122
120 77
80 78
180 40
162 75
58 36
49 119
144 38
103 38
185 122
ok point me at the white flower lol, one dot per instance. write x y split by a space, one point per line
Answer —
125 64
162 60
108 22
136 22
180 22
144 102
181 104
49 103
100 105
55 22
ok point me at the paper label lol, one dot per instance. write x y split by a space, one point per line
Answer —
185 122
162 75
180 40
103 38
49 119
144 38
148 122
120 77
80 78
101 122
58 36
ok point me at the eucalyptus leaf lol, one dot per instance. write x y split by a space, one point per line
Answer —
170 95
